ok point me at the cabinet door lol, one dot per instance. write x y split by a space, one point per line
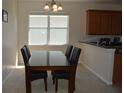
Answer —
93 23
117 72
116 21
105 24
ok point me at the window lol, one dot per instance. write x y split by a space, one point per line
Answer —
48 29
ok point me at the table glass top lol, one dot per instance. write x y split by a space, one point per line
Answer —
48 58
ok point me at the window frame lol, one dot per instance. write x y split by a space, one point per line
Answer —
48 28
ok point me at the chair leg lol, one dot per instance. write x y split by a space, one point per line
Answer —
74 83
56 84
74 86
45 81
53 80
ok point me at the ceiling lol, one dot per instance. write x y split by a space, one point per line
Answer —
80 0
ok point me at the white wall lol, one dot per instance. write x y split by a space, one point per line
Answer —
9 38
98 60
77 24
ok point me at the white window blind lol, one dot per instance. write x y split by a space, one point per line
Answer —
48 29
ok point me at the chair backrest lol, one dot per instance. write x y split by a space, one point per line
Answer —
75 56
25 55
28 50
68 51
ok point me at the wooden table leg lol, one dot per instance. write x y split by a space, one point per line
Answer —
71 83
28 81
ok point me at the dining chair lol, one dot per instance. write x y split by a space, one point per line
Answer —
28 50
64 74
68 51
35 75
67 54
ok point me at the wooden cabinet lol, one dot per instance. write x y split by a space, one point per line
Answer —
101 22
116 23
117 72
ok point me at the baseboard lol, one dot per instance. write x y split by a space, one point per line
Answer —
7 77
96 74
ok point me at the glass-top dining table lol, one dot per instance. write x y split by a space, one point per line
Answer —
49 60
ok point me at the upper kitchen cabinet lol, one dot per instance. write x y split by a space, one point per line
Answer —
101 22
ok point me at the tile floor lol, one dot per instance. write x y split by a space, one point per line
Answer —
86 82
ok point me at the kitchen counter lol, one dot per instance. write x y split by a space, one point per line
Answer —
117 47
98 59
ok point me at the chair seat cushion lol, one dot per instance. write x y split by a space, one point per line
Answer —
60 74
39 75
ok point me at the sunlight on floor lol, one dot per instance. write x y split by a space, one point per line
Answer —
17 66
